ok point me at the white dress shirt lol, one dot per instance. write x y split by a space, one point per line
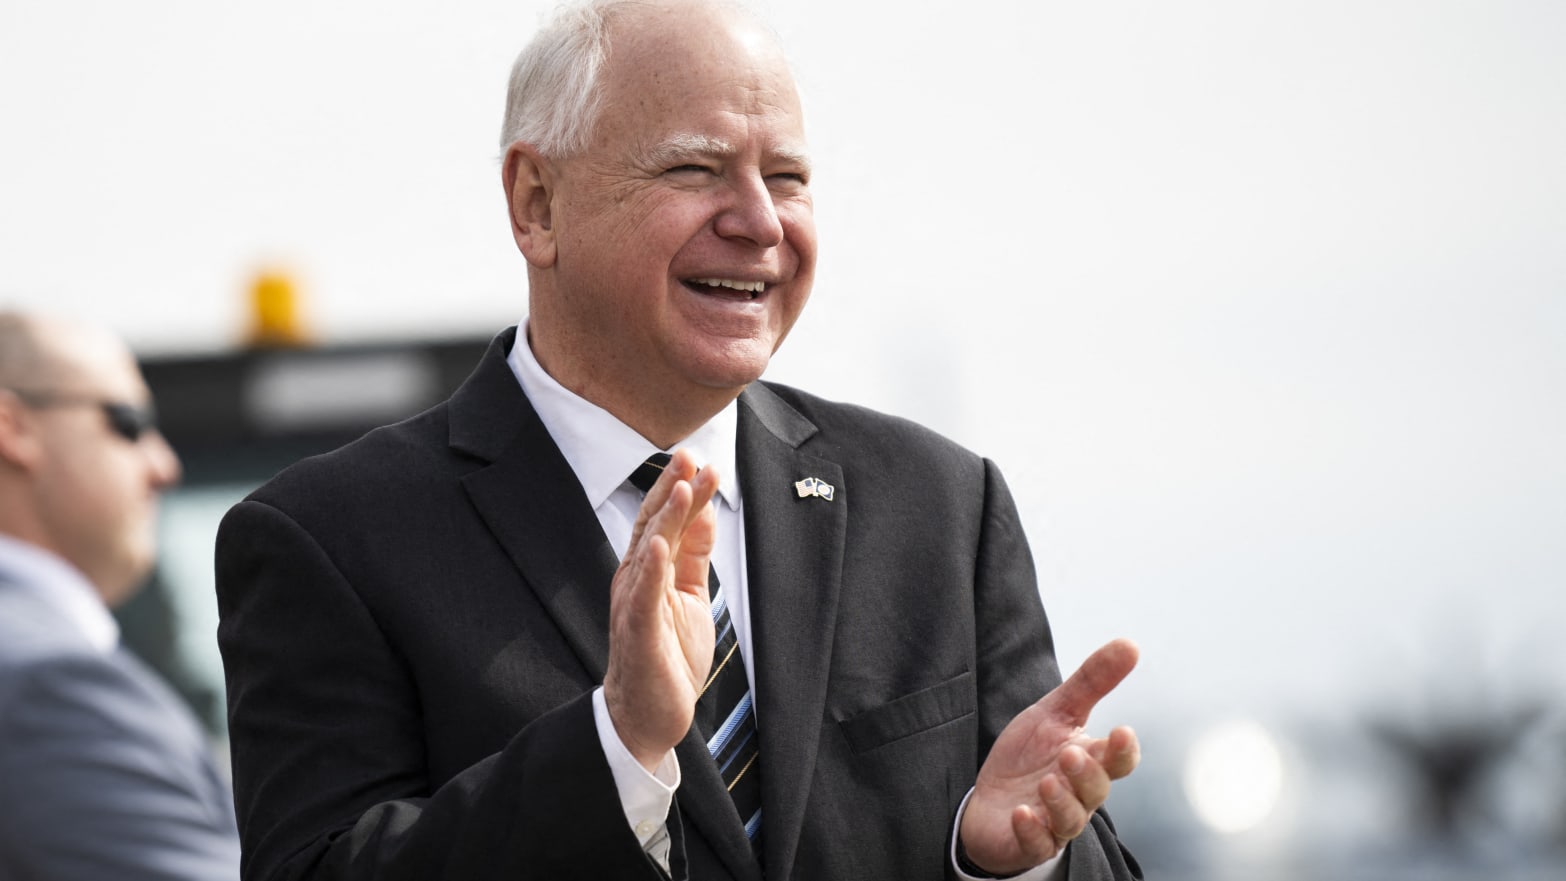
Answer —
603 451
61 587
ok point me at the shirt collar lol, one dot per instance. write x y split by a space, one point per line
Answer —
62 588
601 449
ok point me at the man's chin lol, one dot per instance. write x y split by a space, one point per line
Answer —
730 381
127 578
728 366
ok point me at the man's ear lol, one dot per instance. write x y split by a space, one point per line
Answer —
530 189
20 446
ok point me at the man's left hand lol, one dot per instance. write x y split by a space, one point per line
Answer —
1046 776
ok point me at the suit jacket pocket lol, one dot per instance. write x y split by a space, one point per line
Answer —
910 714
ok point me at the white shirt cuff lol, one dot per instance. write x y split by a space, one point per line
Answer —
1052 869
645 797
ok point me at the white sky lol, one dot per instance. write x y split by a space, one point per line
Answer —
1261 305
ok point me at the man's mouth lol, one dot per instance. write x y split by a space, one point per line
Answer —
727 287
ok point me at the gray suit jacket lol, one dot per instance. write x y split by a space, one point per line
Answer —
104 774
412 626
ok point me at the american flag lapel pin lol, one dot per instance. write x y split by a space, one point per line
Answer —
814 486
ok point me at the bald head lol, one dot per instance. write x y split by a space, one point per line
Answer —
78 478
40 351
21 358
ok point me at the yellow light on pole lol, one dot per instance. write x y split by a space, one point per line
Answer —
275 318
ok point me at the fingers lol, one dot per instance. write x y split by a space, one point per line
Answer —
703 484
1060 810
647 582
1064 807
681 466
1119 753
672 539
646 566
694 546
670 519
1064 813
1035 839
699 529
1075 698
692 529
1067 805
1122 754
1086 790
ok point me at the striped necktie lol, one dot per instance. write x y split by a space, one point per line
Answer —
724 714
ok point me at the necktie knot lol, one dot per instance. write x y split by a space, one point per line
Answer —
646 474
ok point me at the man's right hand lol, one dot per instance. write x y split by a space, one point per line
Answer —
660 623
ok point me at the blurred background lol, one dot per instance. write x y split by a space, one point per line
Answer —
1260 305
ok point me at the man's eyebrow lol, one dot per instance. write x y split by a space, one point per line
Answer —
681 148
793 156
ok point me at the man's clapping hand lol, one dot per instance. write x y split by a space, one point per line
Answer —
1046 776
660 626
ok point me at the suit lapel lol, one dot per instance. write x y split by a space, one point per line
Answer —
531 501
794 558
533 504
571 578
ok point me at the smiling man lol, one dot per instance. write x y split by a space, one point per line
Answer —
513 637
671 253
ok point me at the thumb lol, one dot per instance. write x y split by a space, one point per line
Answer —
1075 698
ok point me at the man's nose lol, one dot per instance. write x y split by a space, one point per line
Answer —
752 216
162 461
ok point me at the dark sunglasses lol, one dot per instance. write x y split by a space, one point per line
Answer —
129 421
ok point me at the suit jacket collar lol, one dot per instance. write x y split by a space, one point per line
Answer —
532 502
488 411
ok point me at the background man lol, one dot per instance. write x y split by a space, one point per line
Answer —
103 772
436 667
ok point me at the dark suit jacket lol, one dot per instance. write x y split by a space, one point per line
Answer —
412 626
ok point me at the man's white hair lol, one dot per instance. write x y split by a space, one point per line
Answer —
552 101
554 97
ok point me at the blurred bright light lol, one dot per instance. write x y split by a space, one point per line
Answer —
1233 776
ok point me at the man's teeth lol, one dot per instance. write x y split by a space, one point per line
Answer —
751 287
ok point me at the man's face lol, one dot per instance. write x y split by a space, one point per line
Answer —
686 242
95 489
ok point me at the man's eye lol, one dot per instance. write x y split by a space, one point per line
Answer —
689 169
